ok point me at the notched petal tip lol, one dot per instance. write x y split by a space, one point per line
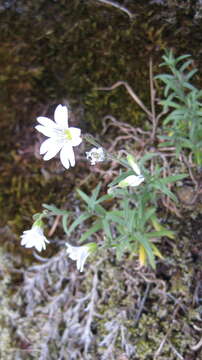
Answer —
61 115
67 156
45 121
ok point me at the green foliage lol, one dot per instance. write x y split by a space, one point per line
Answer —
183 124
131 224
128 225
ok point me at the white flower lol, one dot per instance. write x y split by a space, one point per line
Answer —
95 155
80 253
132 180
34 238
134 166
60 137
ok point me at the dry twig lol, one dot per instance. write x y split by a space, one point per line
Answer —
118 6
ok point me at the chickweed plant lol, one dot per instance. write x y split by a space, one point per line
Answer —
183 124
126 217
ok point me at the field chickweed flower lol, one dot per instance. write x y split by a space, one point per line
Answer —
60 137
95 155
34 237
132 180
80 253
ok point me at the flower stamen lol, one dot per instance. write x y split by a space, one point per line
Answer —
68 135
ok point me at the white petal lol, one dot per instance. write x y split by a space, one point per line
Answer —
80 264
61 116
71 251
24 240
76 139
67 156
47 131
136 168
40 244
45 121
131 180
81 260
95 155
79 254
75 131
134 180
49 144
71 156
27 244
64 158
52 151
34 238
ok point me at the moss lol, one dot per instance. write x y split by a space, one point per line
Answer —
6 312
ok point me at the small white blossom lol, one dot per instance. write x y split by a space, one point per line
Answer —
34 238
80 253
61 138
131 180
95 155
133 164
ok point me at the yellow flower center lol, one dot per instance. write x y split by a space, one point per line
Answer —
68 134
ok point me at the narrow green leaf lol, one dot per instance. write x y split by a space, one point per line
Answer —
165 190
78 221
166 143
182 57
121 177
96 192
55 210
99 210
187 144
115 218
175 113
157 234
86 198
185 65
104 198
166 90
188 86
191 74
64 223
107 229
147 157
93 229
147 214
164 76
172 178
170 104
